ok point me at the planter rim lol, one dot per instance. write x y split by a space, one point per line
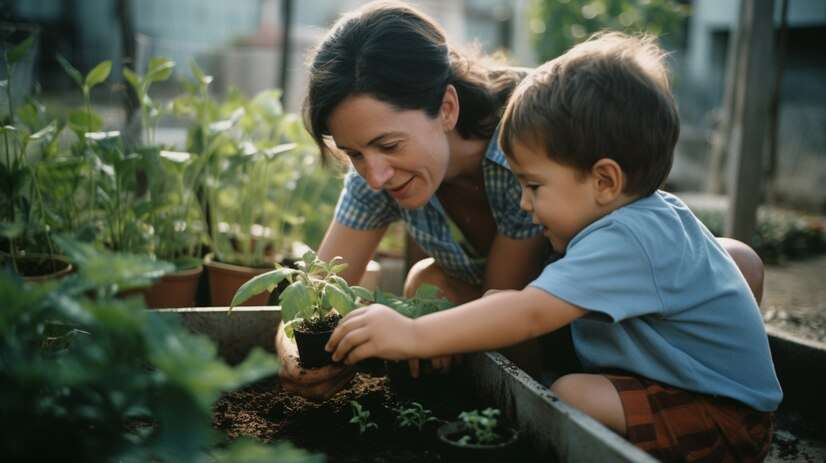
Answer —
58 257
455 426
210 261
186 272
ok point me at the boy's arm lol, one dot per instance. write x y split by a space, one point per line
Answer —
502 319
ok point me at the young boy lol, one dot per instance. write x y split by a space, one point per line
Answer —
677 356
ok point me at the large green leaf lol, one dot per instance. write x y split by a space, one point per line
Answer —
81 121
98 74
295 299
260 283
338 298
133 80
159 69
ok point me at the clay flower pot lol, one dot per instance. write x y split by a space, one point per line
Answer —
174 290
41 267
225 279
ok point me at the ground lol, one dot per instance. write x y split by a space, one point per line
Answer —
795 297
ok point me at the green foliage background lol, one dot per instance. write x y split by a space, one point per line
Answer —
559 24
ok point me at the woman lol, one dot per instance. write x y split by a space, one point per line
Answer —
416 121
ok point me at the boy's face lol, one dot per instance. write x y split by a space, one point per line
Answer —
558 196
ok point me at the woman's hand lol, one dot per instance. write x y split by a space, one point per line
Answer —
315 384
373 331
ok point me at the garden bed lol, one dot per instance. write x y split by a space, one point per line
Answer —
550 430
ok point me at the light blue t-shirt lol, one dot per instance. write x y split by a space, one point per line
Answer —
666 302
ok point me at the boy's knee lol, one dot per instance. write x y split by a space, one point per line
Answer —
748 262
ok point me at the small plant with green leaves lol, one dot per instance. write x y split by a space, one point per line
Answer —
414 416
159 70
361 418
86 120
480 426
424 302
314 290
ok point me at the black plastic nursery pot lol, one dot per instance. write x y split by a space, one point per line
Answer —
450 433
311 353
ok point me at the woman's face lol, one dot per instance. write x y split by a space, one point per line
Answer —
403 152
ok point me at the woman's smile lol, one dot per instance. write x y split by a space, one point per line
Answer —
402 190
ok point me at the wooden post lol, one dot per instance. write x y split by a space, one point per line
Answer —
751 118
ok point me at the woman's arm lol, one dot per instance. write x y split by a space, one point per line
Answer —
356 247
512 263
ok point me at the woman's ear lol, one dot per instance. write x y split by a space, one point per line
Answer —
609 180
449 111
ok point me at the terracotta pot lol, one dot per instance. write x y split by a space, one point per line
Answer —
63 266
450 433
174 290
225 279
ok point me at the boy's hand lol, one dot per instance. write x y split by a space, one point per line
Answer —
373 331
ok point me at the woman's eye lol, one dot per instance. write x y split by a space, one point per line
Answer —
355 156
532 187
389 148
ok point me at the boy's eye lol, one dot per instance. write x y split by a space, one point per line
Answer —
532 187
354 155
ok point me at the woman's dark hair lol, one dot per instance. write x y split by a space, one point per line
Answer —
391 52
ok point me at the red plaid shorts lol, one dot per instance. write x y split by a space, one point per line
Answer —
672 424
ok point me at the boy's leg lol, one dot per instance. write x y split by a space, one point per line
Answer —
670 423
594 395
749 263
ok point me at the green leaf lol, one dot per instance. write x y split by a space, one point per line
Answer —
295 299
70 70
98 74
133 79
258 284
19 51
363 293
427 291
202 78
309 257
159 69
82 122
339 299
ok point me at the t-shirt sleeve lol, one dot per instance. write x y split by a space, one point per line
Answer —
362 208
513 222
605 271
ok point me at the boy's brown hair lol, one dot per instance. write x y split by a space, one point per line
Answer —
608 97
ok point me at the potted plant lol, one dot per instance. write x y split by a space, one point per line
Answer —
313 300
26 237
478 436
251 158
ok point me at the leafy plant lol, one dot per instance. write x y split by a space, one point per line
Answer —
481 426
314 290
424 302
159 70
361 417
86 120
414 416
101 379
23 224
559 25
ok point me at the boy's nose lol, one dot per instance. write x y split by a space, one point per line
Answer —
378 170
524 201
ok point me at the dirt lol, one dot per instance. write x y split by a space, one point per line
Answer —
265 412
794 297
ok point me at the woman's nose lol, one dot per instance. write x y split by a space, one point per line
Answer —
378 171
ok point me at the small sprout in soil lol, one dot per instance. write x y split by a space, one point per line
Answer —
361 417
414 416
480 425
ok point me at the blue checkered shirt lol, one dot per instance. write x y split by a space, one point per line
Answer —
362 208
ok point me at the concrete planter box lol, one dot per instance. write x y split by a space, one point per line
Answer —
551 428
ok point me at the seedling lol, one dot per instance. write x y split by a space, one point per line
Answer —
480 425
426 301
315 289
361 417
414 416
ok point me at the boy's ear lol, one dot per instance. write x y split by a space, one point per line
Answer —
609 180
449 111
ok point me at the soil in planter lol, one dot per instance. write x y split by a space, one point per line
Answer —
265 412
